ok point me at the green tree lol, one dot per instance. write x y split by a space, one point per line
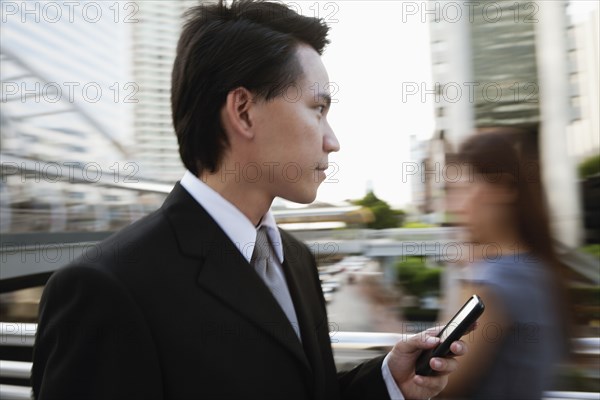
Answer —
590 166
385 216
416 278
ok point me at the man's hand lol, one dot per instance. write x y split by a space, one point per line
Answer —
402 365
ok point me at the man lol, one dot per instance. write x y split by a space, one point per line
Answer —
179 304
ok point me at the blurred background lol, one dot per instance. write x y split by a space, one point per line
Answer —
87 145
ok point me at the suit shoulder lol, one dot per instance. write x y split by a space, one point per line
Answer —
133 244
152 225
80 280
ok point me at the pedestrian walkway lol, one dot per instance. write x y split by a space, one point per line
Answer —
350 310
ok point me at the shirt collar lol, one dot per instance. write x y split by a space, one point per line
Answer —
230 219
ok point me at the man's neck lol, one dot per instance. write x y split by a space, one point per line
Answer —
246 197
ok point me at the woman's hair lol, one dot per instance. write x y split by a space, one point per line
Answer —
492 153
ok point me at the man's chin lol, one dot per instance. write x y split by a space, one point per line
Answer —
301 197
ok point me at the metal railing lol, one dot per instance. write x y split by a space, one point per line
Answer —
23 335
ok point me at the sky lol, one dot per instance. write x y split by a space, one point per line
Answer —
371 54
375 48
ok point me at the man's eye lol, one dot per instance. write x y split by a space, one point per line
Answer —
321 109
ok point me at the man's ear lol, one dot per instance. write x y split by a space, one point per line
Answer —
235 112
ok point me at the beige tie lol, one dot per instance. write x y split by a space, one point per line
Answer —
263 260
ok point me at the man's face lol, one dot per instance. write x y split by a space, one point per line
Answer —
294 138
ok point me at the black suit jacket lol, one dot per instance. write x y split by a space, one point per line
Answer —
168 308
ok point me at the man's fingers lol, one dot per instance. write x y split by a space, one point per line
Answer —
443 365
433 331
433 383
424 340
415 344
458 348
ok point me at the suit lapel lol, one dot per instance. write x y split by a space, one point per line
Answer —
229 277
225 273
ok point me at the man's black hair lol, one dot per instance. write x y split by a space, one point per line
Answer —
248 44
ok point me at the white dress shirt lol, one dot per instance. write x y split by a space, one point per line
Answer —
242 233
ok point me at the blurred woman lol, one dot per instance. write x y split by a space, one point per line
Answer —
521 335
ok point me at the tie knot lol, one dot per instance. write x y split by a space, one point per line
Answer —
262 249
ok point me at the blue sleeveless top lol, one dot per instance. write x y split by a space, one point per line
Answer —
528 354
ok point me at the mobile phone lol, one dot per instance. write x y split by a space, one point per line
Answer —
454 330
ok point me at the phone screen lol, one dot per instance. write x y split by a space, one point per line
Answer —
452 325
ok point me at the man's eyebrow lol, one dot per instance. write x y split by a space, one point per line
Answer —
326 97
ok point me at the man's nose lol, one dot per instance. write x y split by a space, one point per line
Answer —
330 141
